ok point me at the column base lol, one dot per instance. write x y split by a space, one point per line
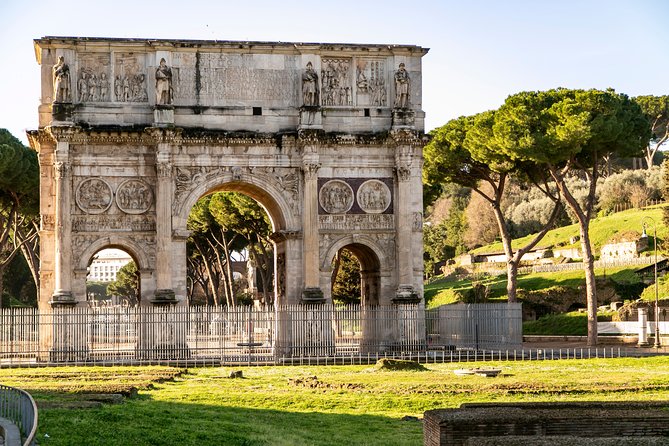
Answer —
164 297
62 298
406 294
313 295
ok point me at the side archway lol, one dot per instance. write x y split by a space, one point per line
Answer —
139 255
373 273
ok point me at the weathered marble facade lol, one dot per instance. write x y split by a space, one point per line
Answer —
327 137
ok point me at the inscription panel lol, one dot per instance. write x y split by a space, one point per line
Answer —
228 79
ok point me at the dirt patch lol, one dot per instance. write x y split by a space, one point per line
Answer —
398 365
312 382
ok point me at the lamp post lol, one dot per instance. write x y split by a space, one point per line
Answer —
657 308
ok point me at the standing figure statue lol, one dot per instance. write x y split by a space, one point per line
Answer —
310 87
163 84
402 83
61 81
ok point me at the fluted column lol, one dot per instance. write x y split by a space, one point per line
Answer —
310 167
404 168
63 227
164 194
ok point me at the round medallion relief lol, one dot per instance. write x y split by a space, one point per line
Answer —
94 196
336 197
373 196
134 197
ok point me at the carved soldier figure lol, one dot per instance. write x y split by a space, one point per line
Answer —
83 87
163 84
310 86
402 82
104 87
61 81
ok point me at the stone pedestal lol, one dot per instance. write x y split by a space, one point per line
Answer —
313 296
164 297
62 113
163 116
311 118
69 334
161 329
405 294
403 118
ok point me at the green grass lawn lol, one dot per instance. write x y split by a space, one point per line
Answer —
343 405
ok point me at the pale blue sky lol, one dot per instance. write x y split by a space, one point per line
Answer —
480 51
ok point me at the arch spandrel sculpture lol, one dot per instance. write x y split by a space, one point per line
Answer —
328 138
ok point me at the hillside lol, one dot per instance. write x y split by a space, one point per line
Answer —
445 290
601 230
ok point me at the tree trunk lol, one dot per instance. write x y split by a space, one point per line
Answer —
590 285
583 216
212 283
335 271
228 269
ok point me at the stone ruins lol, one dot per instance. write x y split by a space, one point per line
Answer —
327 138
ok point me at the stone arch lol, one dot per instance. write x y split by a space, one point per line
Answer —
373 266
285 223
264 192
138 253
354 239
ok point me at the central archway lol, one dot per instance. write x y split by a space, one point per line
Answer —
287 263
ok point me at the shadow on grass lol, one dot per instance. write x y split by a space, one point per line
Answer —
144 421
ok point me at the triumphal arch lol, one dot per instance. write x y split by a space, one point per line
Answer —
326 137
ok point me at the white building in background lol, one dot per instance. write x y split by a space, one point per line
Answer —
106 264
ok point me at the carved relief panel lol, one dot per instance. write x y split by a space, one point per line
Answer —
134 197
336 82
336 197
370 82
355 196
93 83
96 195
129 78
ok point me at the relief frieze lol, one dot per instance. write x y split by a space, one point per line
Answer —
348 222
96 223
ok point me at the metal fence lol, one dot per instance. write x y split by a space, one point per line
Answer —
247 334
19 407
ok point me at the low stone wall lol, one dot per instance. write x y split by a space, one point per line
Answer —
647 422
